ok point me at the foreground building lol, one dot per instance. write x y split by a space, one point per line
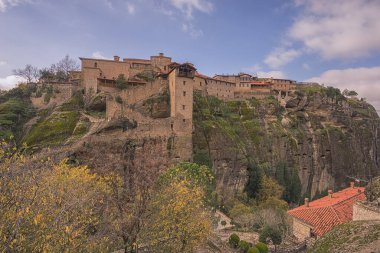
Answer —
315 218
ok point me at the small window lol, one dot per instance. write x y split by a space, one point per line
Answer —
164 67
171 126
200 83
95 65
184 93
184 82
184 120
183 107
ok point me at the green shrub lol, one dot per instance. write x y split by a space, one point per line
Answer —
271 233
262 247
243 246
121 82
119 100
253 250
234 240
223 222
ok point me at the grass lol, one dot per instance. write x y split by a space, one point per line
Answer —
352 236
54 130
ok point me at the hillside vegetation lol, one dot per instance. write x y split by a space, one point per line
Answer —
356 236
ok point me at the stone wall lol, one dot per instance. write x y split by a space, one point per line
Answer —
220 89
300 229
365 211
62 92
131 95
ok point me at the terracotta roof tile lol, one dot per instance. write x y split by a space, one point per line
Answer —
325 213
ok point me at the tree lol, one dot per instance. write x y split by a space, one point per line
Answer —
234 240
289 179
274 218
253 184
178 221
352 93
270 233
262 247
197 175
269 188
66 65
372 190
47 207
30 73
121 82
243 246
59 72
347 92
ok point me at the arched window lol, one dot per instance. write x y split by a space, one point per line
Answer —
95 65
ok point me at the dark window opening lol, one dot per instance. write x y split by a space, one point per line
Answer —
184 93
183 107
95 65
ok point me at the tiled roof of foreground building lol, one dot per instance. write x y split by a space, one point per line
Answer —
327 212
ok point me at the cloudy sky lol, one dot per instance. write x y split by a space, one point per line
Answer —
332 42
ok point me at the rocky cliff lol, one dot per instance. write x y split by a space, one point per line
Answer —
325 136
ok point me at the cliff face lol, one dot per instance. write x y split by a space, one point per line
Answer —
327 138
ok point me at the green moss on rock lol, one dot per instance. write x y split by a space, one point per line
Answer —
54 130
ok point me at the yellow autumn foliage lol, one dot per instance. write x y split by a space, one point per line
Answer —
49 208
178 222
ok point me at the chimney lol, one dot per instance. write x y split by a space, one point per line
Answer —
307 202
161 54
352 185
330 193
116 58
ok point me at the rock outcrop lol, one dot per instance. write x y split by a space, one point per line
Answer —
326 137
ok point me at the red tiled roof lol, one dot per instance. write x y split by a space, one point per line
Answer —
325 213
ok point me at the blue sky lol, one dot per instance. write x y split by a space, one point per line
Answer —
333 42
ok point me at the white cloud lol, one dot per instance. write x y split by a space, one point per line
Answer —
3 63
281 56
5 4
108 3
10 82
258 70
306 66
253 69
131 8
190 29
339 29
188 6
269 74
365 81
99 55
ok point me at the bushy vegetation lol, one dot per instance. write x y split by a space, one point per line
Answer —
234 240
372 190
15 110
56 207
253 250
121 82
272 234
350 237
146 75
262 247
243 246
54 129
